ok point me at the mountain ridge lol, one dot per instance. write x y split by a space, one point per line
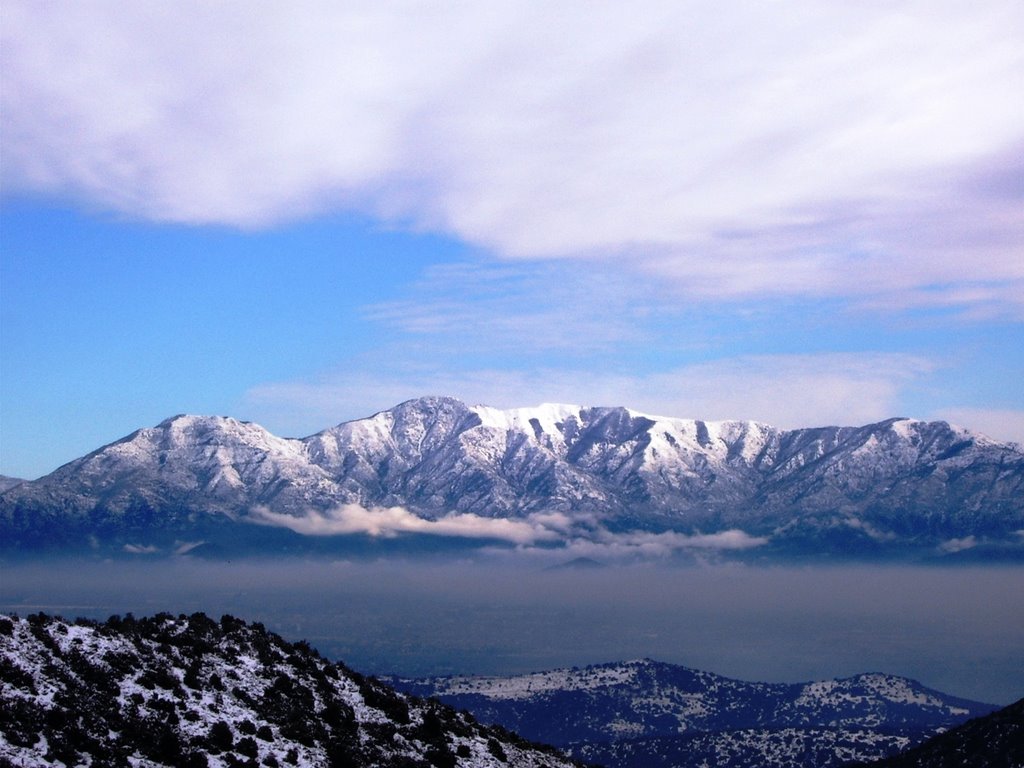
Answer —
193 691
644 712
571 472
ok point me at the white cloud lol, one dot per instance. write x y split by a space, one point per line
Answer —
580 537
184 547
787 391
870 530
391 521
959 545
516 306
140 549
603 545
806 148
794 390
670 541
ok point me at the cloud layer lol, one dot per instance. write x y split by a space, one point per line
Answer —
580 537
392 521
806 148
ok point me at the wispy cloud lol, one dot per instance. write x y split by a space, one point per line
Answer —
656 545
959 545
804 149
579 537
507 306
140 549
784 390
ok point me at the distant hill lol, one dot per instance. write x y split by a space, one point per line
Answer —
437 469
992 741
646 713
191 691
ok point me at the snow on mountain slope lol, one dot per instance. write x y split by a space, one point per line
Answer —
191 691
206 454
652 698
829 490
188 464
992 741
649 713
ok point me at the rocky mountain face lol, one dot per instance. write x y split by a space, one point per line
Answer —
992 741
6 483
190 691
571 473
645 713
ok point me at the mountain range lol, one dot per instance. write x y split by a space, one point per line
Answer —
554 476
647 713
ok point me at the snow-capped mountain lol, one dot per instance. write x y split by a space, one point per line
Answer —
654 714
191 691
555 473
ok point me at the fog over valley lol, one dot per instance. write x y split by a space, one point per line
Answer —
959 630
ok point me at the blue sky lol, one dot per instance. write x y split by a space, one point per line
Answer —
801 213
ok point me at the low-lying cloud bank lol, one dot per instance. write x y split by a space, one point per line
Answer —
390 521
581 536
671 541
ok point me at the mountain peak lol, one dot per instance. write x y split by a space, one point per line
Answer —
433 403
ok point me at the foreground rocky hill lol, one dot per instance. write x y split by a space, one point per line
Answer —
544 476
993 741
646 713
190 691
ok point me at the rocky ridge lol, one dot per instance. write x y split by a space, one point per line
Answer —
191 691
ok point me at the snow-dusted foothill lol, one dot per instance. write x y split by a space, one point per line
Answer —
591 480
192 691
664 716
993 741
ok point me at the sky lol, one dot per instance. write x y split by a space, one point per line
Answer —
803 213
